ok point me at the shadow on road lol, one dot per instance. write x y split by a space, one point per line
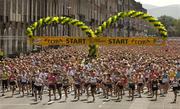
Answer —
9 97
89 102
20 97
34 103
62 101
153 100
84 99
74 100
106 100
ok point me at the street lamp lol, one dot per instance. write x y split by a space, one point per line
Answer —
128 19
68 9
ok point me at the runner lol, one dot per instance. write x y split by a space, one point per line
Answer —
103 85
77 86
154 87
38 87
4 78
175 85
24 80
161 85
52 84
165 81
32 83
19 81
93 82
131 83
140 84
86 84
43 75
120 86
12 82
65 86
59 81
28 87
108 86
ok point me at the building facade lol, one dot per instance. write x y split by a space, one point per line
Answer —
17 15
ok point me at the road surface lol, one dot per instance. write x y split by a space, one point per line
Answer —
26 102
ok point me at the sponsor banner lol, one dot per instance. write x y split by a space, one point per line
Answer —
114 41
59 41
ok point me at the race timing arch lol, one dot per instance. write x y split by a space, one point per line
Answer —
90 33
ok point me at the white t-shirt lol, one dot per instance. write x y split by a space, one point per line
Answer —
38 81
42 76
23 78
93 80
175 84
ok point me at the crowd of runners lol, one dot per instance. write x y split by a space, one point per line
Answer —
117 70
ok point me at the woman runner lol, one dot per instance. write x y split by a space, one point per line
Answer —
140 85
52 85
86 84
28 87
59 81
175 85
65 86
32 83
131 83
93 82
108 86
12 82
38 87
154 87
165 80
24 81
120 87
19 81
77 86
4 78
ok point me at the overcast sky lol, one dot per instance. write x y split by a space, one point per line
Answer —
159 2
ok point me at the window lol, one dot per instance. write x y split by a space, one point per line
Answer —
14 6
19 6
81 17
1 18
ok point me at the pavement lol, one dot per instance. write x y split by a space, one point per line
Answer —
27 102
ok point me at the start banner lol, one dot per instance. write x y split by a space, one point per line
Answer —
116 41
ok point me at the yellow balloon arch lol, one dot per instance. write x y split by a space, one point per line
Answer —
133 14
64 20
93 48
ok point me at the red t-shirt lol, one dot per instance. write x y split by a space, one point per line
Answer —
51 79
12 78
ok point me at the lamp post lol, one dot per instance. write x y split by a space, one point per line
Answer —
128 20
68 12
123 22
68 9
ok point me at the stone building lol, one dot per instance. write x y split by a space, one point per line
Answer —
17 15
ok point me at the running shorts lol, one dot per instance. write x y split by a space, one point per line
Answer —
12 83
52 87
132 86
4 83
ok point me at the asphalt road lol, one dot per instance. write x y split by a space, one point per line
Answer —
26 102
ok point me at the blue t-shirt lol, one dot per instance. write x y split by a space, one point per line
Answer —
178 75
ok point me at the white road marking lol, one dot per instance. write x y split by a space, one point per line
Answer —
138 104
104 102
100 106
14 104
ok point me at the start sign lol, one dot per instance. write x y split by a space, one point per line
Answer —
115 41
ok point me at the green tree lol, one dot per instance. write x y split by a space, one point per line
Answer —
169 23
